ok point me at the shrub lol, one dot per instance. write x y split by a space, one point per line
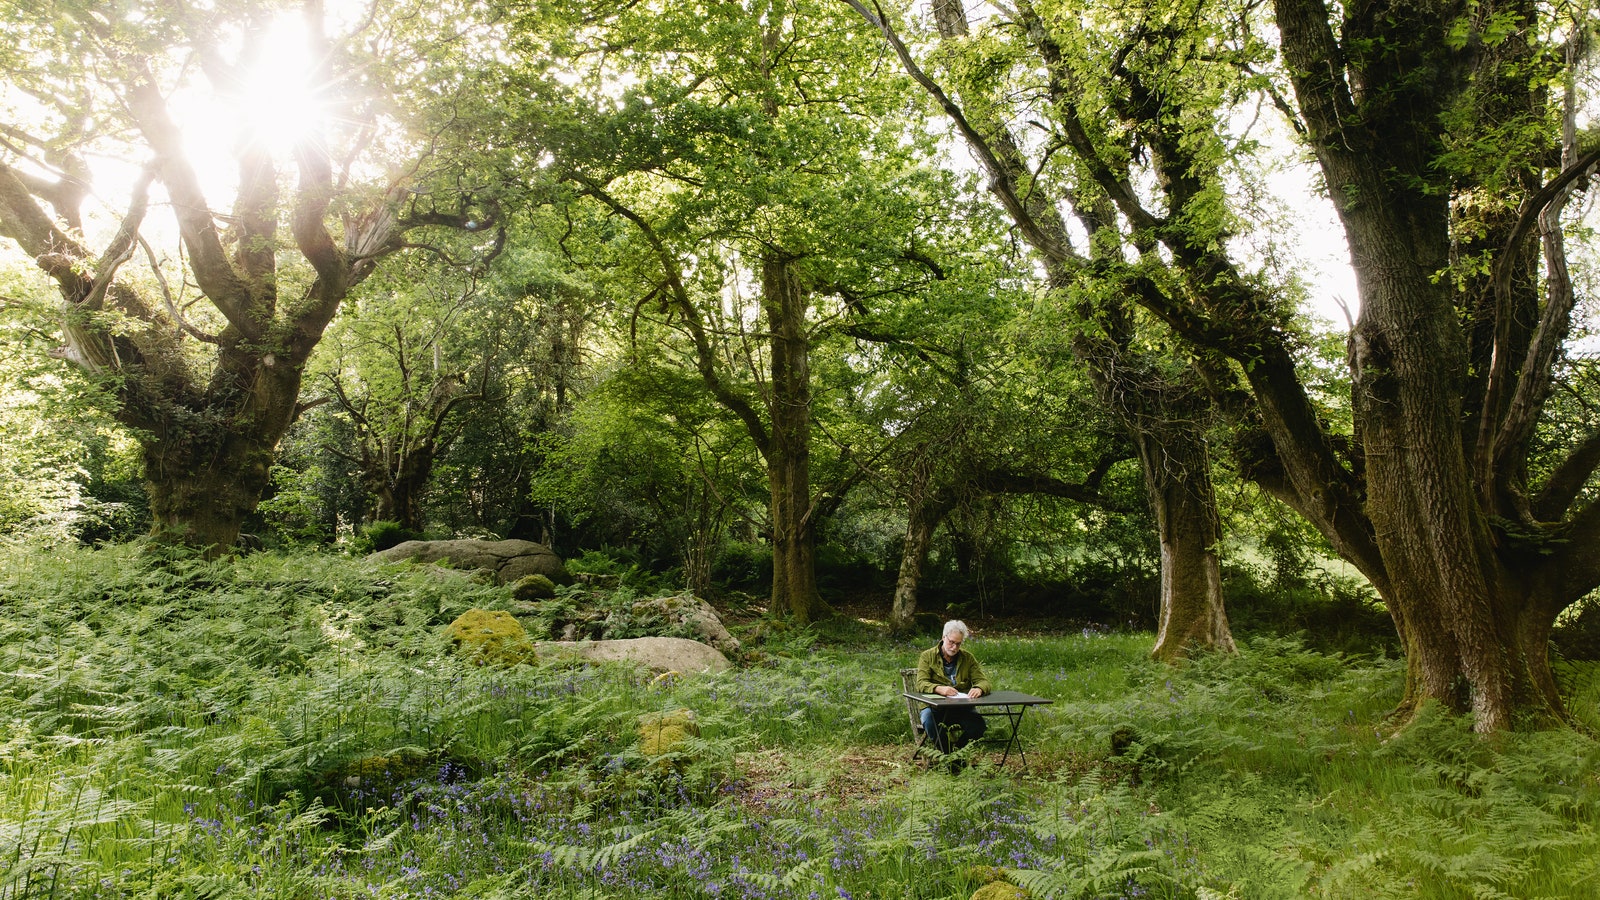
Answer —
381 535
744 566
1328 612
1577 632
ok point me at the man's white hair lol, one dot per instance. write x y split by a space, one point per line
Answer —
956 626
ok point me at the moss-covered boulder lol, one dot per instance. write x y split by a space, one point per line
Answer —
985 874
996 884
387 779
492 637
533 587
687 613
665 732
375 773
1001 890
508 561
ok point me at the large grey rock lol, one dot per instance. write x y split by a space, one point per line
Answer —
661 654
693 613
508 560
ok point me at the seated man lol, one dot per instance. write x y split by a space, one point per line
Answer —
949 671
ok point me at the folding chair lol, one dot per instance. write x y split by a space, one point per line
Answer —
908 684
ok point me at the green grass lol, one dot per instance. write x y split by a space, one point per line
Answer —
298 727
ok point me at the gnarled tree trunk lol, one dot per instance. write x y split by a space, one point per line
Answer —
207 399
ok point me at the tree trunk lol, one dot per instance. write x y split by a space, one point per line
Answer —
1164 415
1177 477
399 493
1474 582
794 568
203 502
707 518
208 398
1464 619
698 557
206 476
784 438
923 521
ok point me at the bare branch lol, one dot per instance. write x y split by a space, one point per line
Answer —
215 274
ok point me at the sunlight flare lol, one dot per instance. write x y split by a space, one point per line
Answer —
281 101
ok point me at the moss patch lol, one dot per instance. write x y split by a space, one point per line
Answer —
373 780
533 587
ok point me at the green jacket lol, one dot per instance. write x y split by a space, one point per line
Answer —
969 673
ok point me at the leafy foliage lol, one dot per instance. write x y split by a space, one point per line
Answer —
67 470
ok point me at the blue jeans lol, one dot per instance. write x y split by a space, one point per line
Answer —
961 722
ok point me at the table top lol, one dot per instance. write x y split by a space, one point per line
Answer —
998 698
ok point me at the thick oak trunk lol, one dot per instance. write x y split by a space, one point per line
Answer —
794 565
1473 582
1469 624
206 473
203 503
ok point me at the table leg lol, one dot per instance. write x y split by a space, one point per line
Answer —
1015 718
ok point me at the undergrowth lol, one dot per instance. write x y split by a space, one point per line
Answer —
297 726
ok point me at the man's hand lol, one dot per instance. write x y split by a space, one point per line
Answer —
945 690
975 693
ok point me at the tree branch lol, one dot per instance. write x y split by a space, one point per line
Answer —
1575 566
1567 480
1011 481
214 273
1533 380
1002 179
705 355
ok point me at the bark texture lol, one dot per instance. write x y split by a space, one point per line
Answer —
794 562
923 520
1185 504
1473 577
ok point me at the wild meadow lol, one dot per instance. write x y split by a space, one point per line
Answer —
299 727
